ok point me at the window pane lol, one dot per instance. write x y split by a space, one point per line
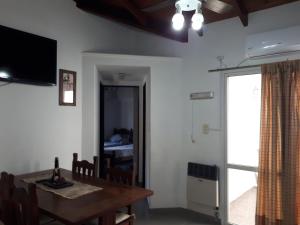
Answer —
244 98
242 186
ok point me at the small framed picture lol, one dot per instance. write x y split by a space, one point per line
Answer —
67 88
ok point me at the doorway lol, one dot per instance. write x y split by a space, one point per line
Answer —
121 134
243 129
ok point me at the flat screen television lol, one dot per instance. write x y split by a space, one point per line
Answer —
27 58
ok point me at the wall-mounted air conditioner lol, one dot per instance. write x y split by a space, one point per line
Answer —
273 42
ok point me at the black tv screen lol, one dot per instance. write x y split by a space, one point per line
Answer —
27 58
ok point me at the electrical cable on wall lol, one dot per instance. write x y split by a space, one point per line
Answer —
192 125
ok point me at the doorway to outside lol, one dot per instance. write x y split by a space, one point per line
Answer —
122 129
243 128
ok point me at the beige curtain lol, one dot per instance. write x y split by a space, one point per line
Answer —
278 195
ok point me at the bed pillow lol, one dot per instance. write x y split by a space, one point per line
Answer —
116 138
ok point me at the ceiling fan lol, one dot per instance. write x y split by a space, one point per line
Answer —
216 6
191 5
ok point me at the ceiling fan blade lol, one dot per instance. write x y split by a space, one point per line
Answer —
217 6
159 6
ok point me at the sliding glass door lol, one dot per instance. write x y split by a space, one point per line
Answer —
243 127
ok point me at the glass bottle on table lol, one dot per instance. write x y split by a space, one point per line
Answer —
56 171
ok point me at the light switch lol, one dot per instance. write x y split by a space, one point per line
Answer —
205 129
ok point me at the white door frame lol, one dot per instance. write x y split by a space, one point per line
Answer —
162 70
224 78
139 85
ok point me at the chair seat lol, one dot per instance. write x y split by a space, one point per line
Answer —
121 217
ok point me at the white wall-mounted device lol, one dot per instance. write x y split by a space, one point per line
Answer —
202 95
203 189
273 42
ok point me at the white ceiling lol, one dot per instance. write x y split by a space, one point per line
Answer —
123 73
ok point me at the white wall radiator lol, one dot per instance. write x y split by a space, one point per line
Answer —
203 189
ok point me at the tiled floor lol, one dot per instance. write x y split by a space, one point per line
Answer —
242 210
176 216
173 217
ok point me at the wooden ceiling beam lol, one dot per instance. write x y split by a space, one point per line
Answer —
155 15
128 5
241 11
120 15
159 6
220 7
142 4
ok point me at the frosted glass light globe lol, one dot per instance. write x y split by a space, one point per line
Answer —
197 21
178 21
4 75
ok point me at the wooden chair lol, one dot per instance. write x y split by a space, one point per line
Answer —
119 176
6 188
84 168
22 207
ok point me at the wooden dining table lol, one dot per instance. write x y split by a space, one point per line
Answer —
99 204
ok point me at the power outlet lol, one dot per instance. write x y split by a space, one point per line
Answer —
205 129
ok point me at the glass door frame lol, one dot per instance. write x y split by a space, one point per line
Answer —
227 166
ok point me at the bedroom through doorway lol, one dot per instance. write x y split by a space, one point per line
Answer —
122 114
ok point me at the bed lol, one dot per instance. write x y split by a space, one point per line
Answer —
119 148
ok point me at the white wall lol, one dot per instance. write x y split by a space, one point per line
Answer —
164 121
33 128
226 38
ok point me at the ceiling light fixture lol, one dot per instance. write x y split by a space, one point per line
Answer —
178 19
4 75
188 5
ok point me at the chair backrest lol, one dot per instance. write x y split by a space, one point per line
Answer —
22 207
6 185
120 176
6 188
84 168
